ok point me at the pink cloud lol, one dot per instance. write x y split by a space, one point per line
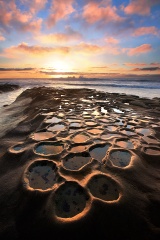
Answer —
60 9
33 26
140 7
146 30
88 48
34 5
94 12
91 49
12 17
144 48
111 40
1 37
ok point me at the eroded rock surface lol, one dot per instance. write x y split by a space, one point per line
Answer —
77 163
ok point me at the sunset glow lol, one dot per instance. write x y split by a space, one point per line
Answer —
41 38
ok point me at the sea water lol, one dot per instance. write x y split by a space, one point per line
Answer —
148 88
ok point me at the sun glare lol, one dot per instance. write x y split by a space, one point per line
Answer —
59 66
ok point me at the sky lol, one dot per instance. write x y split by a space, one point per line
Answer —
52 38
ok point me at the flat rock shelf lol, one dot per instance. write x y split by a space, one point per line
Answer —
77 163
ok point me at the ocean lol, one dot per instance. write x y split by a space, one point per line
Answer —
149 88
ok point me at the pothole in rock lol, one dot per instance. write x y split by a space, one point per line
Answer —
155 151
70 199
104 120
75 125
80 138
116 110
144 131
90 123
95 131
73 120
76 161
57 127
120 158
150 140
111 128
105 136
99 151
125 144
78 148
128 133
49 148
18 148
41 174
53 120
103 187
40 136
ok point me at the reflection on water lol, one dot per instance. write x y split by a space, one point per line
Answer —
152 151
40 136
125 144
120 158
42 175
49 148
99 152
79 148
103 187
57 127
76 162
80 138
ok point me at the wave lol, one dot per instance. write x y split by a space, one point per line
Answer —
112 85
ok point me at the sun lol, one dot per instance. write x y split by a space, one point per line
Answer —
59 66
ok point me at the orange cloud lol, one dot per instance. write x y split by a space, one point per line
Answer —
144 48
140 7
146 30
36 50
94 12
60 9
69 36
134 64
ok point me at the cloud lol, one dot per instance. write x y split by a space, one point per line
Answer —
1 37
155 64
34 50
11 17
142 64
144 48
140 7
60 9
88 48
111 40
147 69
100 11
34 5
69 36
146 30
135 64
16 69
